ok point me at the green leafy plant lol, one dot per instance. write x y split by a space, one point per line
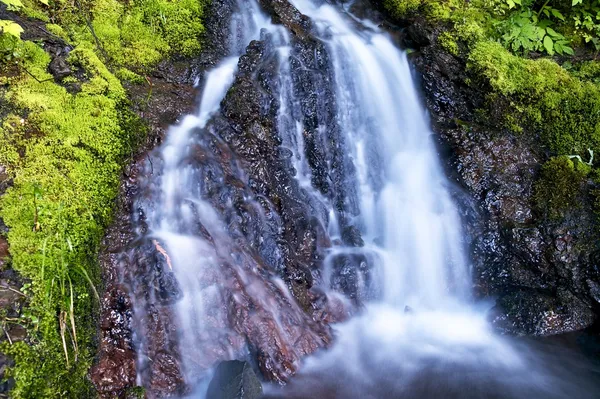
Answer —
524 31
10 38
586 17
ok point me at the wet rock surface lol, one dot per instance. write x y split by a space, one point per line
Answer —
234 380
541 270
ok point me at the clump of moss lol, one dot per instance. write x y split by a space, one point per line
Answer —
448 42
64 151
588 70
135 393
558 188
543 96
402 8
136 34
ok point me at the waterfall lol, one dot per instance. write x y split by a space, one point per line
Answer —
406 213
357 201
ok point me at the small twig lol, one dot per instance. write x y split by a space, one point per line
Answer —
33 76
12 289
542 9
36 224
164 253
150 92
63 329
92 31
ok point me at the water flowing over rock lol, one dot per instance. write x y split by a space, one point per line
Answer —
542 270
306 191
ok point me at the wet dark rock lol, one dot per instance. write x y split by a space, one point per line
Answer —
534 312
59 67
351 236
284 13
219 36
5 180
3 252
12 301
114 373
115 370
419 34
234 380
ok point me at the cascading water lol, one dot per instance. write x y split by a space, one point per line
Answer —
366 196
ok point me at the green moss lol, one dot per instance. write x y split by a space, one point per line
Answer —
543 97
46 376
138 34
32 10
559 186
589 70
180 22
136 393
402 8
65 157
58 31
448 42
125 74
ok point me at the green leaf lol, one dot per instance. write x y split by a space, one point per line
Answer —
13 4
575 2
559 48
549 45
44 2
568 50
10 28
553 33
557 14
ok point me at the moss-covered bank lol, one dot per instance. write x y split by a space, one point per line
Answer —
65 133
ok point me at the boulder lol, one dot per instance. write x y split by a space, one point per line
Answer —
234 379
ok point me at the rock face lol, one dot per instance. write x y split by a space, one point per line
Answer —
544 272
234 380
